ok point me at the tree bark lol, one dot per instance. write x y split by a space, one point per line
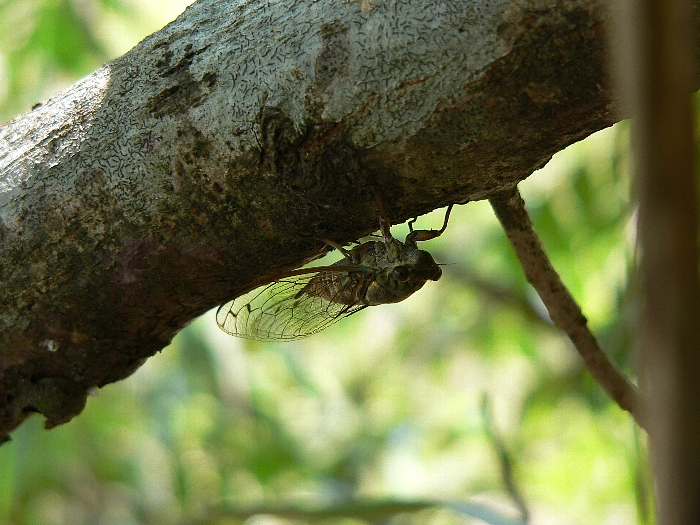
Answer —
216 153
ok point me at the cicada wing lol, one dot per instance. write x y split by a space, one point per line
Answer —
283 310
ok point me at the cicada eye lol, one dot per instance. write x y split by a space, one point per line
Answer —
401 274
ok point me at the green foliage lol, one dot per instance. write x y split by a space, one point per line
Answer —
45 45
379 418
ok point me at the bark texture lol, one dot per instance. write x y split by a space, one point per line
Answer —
217 152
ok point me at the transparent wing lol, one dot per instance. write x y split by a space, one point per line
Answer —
293 307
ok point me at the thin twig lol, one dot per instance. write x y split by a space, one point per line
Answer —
563 309
505 460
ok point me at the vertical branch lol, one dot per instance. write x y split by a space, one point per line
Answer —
563 309
658 87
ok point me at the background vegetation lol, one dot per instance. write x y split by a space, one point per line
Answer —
463 393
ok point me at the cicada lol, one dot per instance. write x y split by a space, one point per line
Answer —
307 300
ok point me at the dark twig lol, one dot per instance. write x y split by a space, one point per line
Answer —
563 309
505 460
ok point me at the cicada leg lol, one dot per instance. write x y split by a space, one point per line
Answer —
353 255
363 290
426 235
346 253
359 293
393 247
384 224
357 288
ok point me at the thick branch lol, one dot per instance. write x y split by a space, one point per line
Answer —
563 309
214 155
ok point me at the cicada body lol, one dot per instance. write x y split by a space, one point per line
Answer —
307 300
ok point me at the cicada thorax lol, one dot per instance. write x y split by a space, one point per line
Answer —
392 271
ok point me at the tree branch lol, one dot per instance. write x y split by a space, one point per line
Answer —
213 155
563 309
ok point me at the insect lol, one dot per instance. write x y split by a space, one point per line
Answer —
307 300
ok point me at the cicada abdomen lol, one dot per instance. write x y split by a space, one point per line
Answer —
346 288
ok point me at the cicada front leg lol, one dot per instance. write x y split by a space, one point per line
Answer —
426 235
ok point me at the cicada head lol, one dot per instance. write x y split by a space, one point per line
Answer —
396 282
424 268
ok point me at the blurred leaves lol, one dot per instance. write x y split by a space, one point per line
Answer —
368 512
45 45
